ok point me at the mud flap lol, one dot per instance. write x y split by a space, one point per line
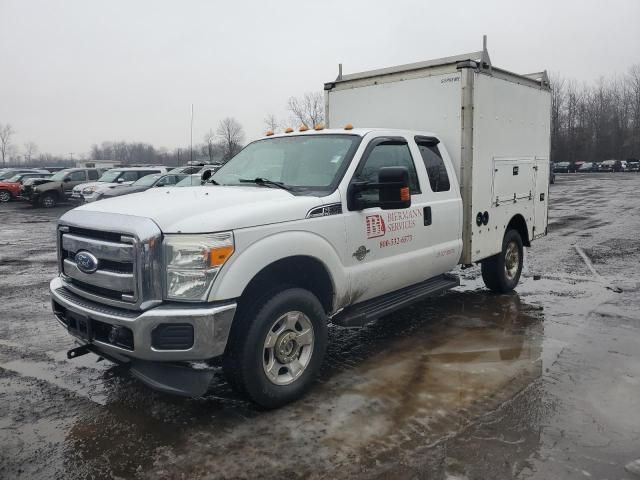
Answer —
170 378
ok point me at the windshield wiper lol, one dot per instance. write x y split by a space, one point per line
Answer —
266 182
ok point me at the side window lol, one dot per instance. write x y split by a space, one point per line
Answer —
389 154
93 174
436 170
129 176
78 176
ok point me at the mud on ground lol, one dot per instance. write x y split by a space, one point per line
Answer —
542 383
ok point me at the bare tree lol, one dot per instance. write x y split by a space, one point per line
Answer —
30 149
308 109
6 132
210 144
271 122
232 135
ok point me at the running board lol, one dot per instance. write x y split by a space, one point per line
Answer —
360 314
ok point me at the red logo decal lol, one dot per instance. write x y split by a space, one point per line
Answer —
375 226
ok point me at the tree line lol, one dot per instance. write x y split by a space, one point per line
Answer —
596 122
589 122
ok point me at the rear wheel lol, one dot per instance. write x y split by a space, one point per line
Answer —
276 348
5 196
49 200
501 273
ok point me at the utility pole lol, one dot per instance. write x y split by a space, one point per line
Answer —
71 156
191 144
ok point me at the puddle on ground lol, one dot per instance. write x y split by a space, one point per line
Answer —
408 380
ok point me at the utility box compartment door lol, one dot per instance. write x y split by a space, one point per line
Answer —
541 197
513 180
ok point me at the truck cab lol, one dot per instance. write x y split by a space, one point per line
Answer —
334 225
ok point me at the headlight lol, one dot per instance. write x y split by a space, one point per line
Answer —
88 190
192 263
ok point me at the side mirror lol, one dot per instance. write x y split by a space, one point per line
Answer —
392 191
66 179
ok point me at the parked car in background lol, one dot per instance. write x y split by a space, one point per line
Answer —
145 183
561 167
7 173
577 165
10 188
58 187
588 167
187 169
633 165
28 185
607 166
194 180
90 192
552 176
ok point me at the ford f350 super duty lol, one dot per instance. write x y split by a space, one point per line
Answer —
449 165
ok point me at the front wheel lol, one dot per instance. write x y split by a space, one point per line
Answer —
49 200
5 196
501 273
276 348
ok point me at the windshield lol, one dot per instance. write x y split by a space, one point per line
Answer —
15 178
58 177
303 162
147 181
110 176
190 181
5 175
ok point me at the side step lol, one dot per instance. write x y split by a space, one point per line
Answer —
362 313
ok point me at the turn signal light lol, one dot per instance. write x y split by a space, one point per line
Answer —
219 255
405 194
348 126
288 130
269 133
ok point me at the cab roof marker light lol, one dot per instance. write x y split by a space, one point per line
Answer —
348 126
319 126
268 133
303 128
288 130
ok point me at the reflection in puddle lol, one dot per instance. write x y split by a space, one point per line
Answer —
408 380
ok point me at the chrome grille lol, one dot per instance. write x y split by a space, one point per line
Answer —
115 277
129 253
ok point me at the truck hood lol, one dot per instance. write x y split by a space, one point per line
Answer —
210 208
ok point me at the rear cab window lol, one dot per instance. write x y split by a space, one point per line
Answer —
434 164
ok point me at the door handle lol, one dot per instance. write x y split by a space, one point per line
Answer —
427 216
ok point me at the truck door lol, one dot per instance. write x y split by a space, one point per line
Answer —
541 197
75 178
389 249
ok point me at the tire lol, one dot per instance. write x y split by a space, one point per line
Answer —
5 196
49 200
501 273
280 320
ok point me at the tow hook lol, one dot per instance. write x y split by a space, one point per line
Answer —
78 351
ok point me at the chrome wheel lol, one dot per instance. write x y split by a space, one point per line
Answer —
288 347
512 260
4 196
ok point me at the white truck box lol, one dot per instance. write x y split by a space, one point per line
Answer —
495 125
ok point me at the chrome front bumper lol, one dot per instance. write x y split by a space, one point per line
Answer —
211 326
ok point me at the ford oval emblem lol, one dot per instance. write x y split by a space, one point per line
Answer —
86 262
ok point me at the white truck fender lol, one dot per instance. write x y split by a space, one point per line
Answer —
243 266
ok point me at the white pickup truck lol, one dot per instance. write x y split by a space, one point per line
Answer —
449 165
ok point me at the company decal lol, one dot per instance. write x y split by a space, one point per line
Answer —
399 221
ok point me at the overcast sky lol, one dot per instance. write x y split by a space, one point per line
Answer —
74 73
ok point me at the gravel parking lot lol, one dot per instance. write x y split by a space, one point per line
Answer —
543 383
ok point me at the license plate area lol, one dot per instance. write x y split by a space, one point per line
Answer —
79 326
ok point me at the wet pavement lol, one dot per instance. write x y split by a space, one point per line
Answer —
543 383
